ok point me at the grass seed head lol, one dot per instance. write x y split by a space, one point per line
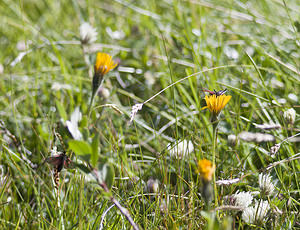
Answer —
134 110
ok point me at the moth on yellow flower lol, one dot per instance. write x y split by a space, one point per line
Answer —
104 64
206 169
216 103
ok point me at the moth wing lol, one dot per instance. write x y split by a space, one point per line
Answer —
208 91
55 161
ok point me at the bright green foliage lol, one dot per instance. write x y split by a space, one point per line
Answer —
249 47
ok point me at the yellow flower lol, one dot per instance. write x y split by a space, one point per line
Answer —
104 64
205 169
216 103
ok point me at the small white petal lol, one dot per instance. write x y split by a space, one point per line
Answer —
118 35
293 97
73 124
227 182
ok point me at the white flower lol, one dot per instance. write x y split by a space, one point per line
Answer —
181 149
256 214
265 184
119 35
88 34
104 92
293 97
243 199
290 116
232 140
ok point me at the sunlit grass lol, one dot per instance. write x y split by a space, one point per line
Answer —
168 52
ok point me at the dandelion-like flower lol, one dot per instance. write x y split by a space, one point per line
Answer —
205 169
216 103
104 64
88 34
256 214
242 199
265 184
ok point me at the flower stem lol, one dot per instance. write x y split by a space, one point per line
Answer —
91 103
214 140
97 84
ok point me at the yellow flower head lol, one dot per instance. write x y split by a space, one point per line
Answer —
205 169
216 103
104 64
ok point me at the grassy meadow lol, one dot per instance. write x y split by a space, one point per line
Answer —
138 141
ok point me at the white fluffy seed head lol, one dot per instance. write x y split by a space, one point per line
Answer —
242 199
265 184
256 214
181 149
290 116
88 34
232 140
